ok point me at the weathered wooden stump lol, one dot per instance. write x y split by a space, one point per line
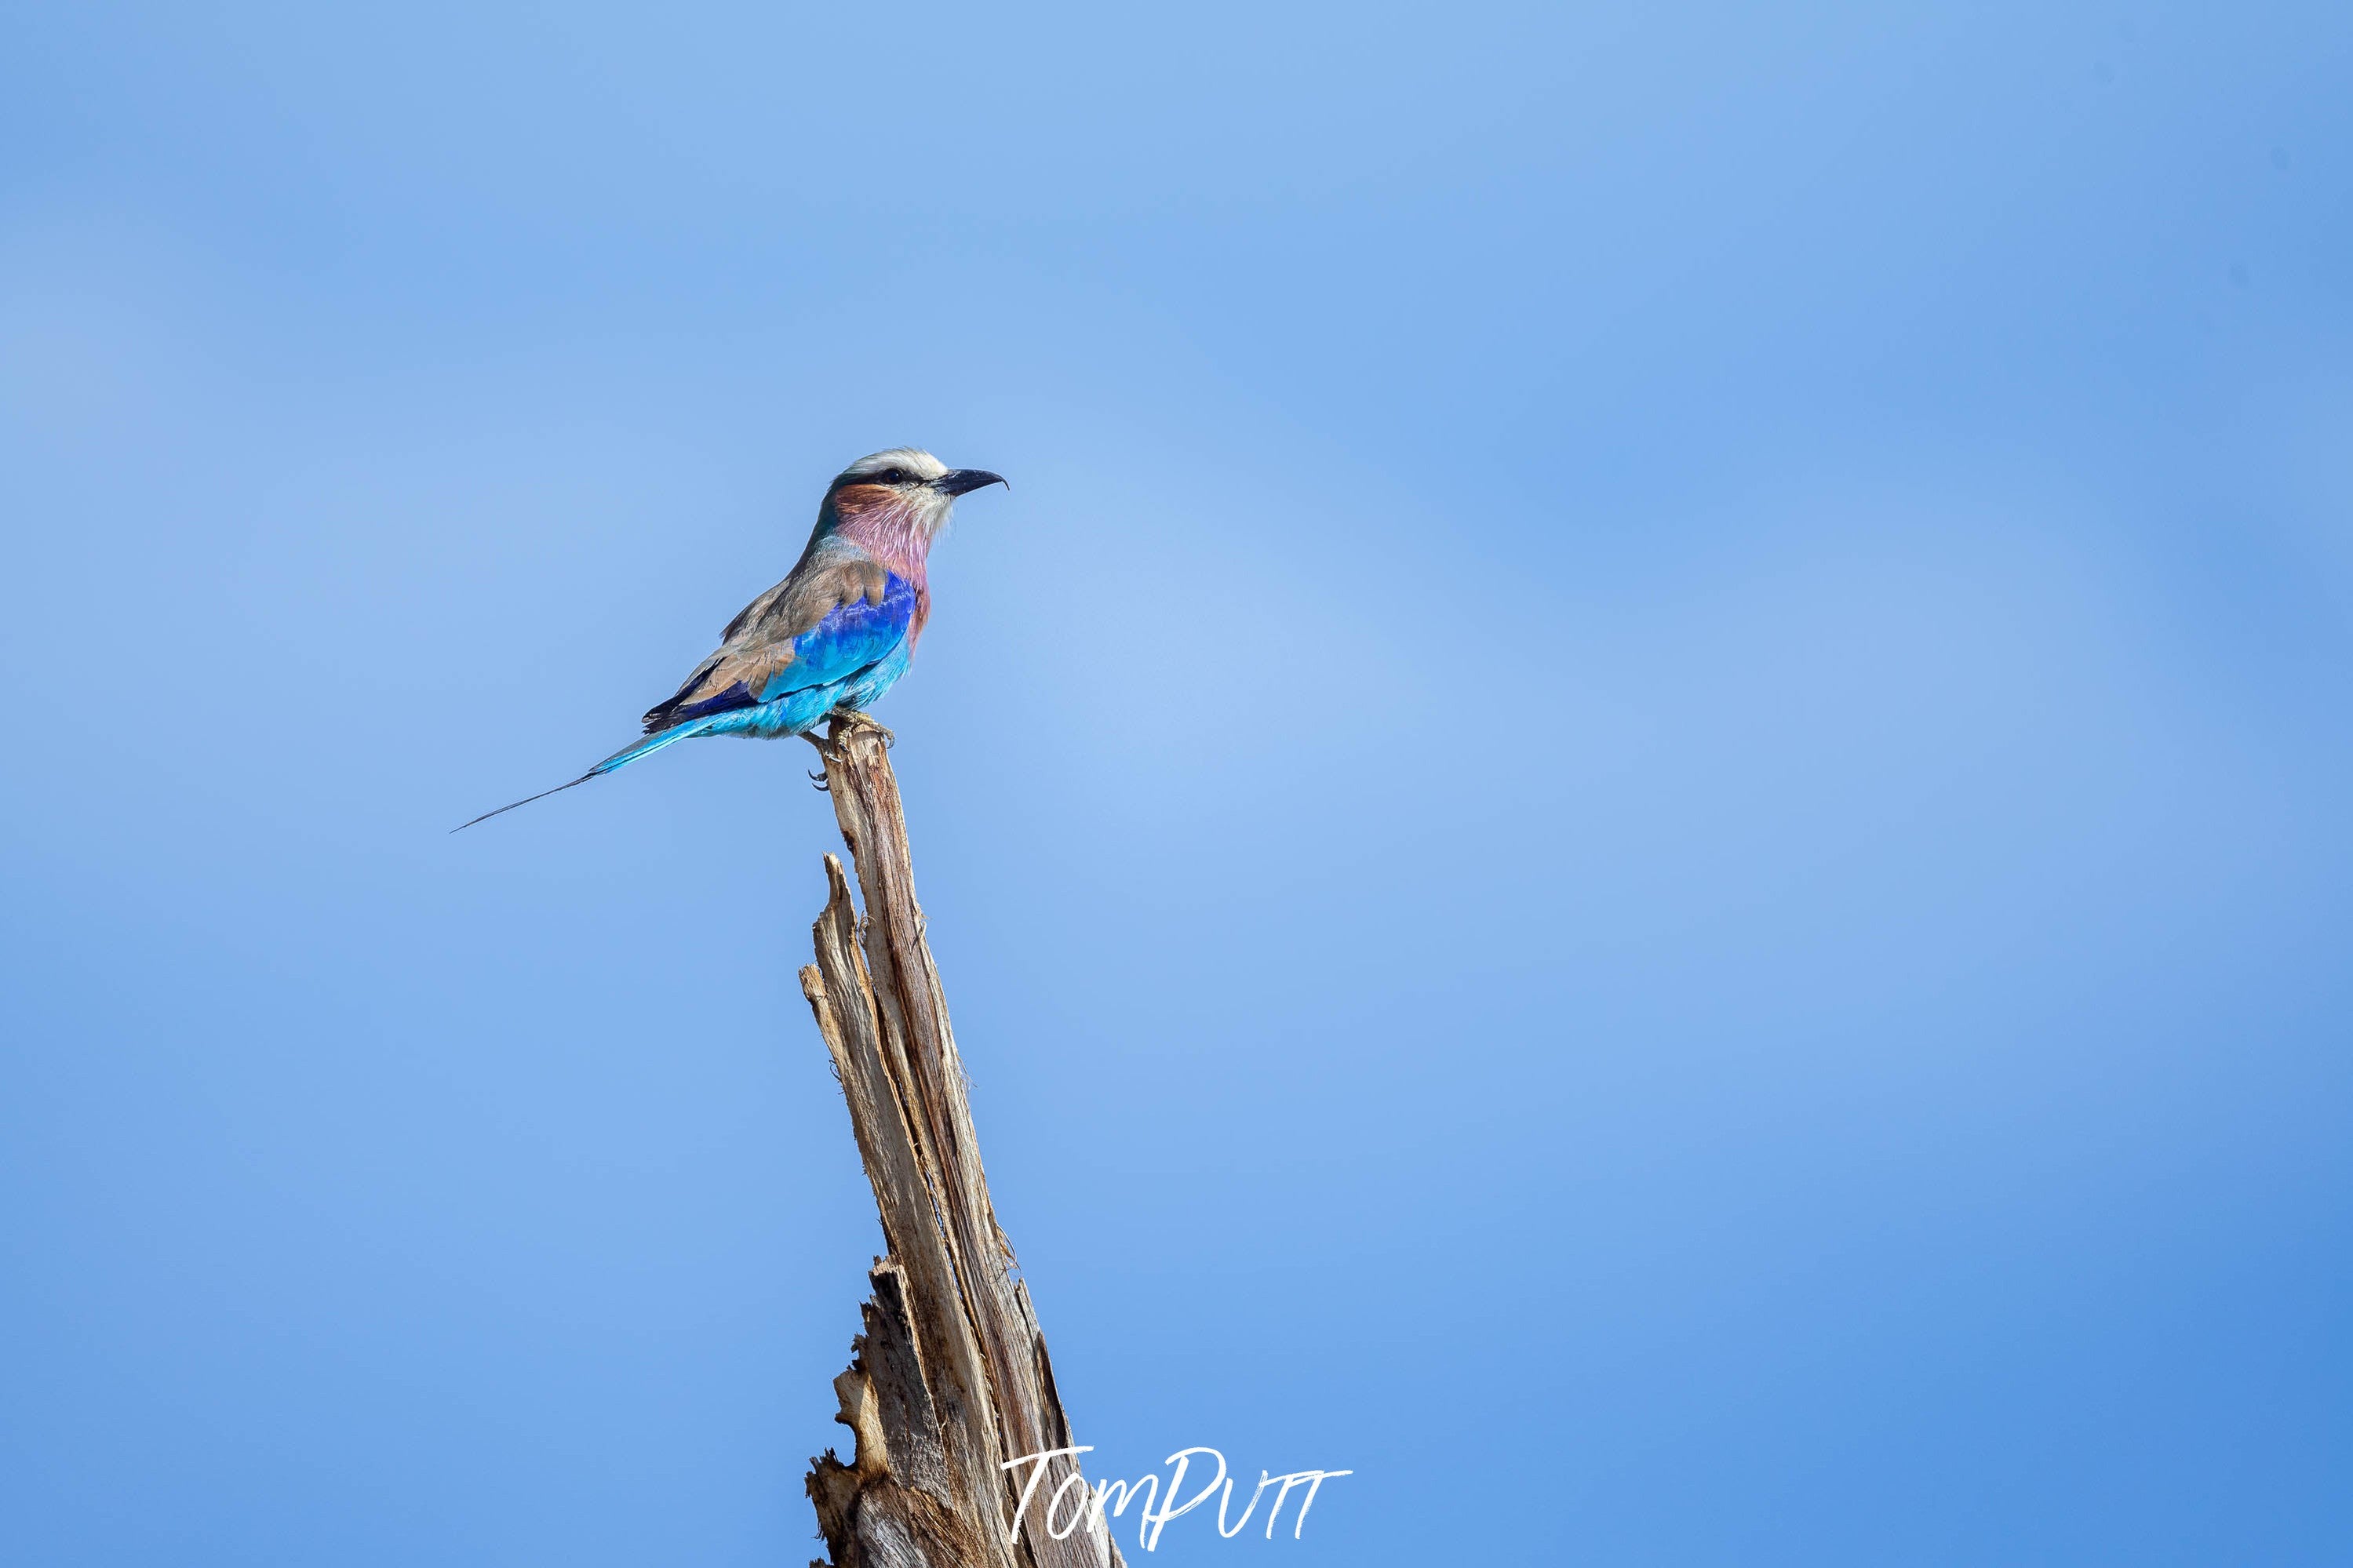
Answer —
950 1379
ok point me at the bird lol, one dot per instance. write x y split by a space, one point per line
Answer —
836 634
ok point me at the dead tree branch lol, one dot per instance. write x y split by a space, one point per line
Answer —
950 1379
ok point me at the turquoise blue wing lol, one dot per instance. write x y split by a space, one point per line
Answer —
851 638
856 633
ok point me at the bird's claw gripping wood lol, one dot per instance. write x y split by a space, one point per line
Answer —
846 720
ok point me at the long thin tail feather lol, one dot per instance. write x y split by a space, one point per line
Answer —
526 800
620 759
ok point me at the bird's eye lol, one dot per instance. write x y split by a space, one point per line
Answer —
894 476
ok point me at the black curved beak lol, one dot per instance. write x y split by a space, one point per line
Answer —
958 482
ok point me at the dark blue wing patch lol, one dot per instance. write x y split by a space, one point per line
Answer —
736 696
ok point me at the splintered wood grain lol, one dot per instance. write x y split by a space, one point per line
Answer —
952 1378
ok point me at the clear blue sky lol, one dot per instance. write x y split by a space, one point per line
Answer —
1638 819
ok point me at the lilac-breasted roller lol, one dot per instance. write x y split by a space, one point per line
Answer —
836 633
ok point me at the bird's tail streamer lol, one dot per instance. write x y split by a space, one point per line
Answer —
620 759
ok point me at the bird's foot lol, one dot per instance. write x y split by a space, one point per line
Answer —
821 779
848 720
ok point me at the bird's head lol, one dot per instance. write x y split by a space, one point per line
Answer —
903 491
